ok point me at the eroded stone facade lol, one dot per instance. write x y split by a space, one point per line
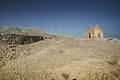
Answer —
93 32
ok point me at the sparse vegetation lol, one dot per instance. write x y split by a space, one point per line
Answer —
65 76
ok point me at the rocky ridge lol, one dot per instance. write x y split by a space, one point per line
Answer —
56 57
16 36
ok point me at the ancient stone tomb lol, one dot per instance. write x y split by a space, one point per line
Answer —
93 32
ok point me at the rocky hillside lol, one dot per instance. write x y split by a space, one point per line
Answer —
12 35
66 59
22 31
58 58
13 39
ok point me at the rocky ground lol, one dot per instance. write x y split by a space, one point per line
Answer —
61 59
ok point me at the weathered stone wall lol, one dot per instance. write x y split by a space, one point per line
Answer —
12 39
93 32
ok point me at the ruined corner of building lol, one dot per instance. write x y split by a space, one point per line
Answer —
93 32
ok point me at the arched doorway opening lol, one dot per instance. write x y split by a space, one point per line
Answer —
89 35
99 35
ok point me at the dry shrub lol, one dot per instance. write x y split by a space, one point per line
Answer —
112 62
65 76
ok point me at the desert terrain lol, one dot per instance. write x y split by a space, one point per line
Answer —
58 58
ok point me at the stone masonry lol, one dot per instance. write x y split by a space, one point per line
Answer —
93 32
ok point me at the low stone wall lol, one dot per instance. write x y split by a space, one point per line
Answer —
13 39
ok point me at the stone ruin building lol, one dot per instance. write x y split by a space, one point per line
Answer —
93 32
